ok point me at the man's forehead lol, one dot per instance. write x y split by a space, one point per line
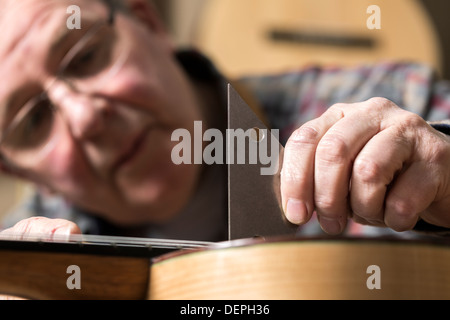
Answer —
13 11
17 19
9 4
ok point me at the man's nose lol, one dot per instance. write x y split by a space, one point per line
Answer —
86 115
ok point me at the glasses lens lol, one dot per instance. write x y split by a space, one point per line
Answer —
94 60
30 132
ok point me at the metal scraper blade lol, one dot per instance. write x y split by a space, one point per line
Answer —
254 200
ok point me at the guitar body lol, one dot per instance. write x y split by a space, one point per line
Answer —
288 269
306 269
260 36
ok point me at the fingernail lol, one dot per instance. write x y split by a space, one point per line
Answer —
330 226
296 211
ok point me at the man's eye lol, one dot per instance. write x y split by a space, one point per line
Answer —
36 126
86 63
86 57
89 57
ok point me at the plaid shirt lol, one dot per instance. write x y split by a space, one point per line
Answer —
289 100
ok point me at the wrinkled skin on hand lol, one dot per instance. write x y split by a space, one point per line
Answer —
36 226
371 161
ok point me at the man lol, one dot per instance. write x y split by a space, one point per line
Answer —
88 115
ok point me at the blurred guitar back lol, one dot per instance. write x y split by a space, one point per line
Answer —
260 36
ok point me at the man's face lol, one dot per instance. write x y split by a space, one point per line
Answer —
111 139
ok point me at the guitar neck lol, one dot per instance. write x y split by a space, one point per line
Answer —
98 245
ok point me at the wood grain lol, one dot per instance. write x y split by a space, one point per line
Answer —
43 275
292 269
305 270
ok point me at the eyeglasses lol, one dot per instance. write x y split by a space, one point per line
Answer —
86 68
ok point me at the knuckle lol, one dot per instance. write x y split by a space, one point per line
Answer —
325 203
412 120
409 127
338 107
380 103
367 170
332 149
400 207
305 135
401 213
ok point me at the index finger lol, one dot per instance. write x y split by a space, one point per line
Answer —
297 174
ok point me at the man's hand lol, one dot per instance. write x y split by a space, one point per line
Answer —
41 226
371 161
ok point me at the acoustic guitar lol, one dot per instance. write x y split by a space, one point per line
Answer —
277 268
263 36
